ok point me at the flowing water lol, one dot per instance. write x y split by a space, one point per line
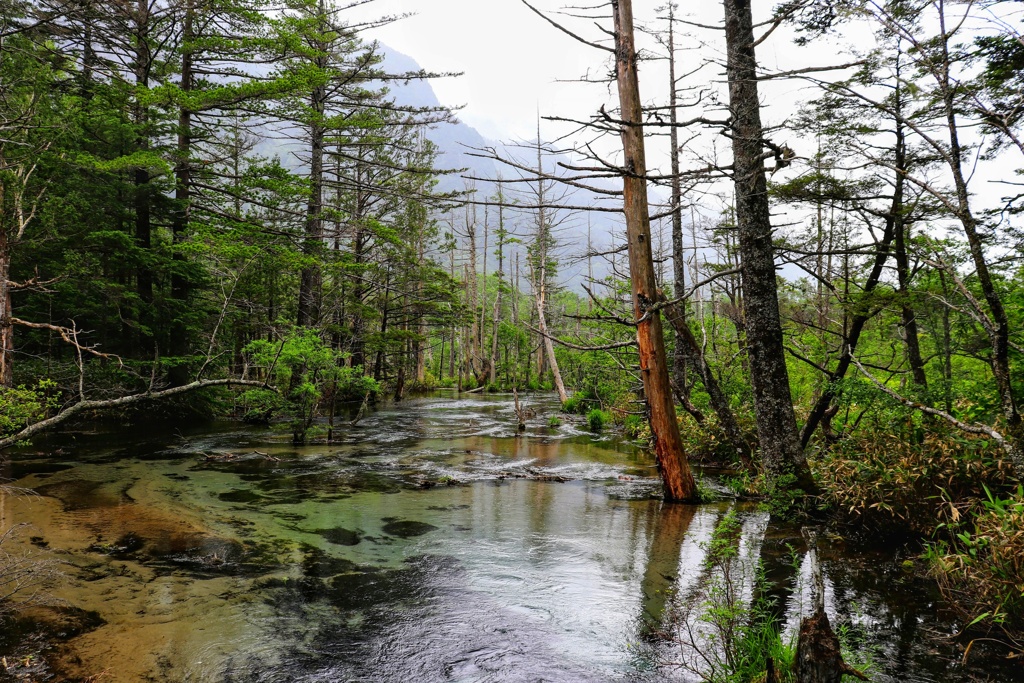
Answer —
429 543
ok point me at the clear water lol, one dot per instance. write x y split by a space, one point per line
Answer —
431 543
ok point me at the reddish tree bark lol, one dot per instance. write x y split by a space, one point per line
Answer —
668 445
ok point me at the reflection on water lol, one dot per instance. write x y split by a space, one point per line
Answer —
431 543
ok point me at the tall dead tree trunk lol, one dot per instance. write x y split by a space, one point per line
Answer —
668 445
540 282
495 318
678 260
781 452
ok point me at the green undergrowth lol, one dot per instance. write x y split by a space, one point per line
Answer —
977 558
958 495
886 482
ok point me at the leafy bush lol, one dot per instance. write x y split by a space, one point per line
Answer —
597 419
23 405
310 369
885 481
554 421
636 427
707 442
259 406
429 382
590 397
981 565
573 404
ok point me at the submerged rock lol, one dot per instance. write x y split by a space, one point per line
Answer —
340 536
406 528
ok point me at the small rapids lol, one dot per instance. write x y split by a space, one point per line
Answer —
430 542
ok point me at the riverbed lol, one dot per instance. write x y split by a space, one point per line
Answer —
430 542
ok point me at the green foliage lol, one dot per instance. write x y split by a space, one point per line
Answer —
781 496
597 419
259 406
979 561
742 484
309 368
554 421
636 427
574 404
705 493
22 405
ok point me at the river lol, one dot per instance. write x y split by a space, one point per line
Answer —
431 542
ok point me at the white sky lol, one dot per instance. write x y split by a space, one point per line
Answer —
510 58
515 65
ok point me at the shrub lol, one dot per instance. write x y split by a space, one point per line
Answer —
573 404
884 481
429 383
981 566
554 421
310 369
636 427
24 405
597 419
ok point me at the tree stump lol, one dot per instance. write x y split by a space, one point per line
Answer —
818 656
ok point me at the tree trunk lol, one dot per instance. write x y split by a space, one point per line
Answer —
178 375
779 440
420 349
495 318
908 317
999 326
358 332
6 310
678 262
540 283
549 347
378 365
668 445
143 219
310 278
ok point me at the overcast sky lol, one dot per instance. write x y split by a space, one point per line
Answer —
511 59
515 65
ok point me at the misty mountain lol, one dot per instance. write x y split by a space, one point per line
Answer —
459 144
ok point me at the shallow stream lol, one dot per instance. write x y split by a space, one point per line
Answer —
430 543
